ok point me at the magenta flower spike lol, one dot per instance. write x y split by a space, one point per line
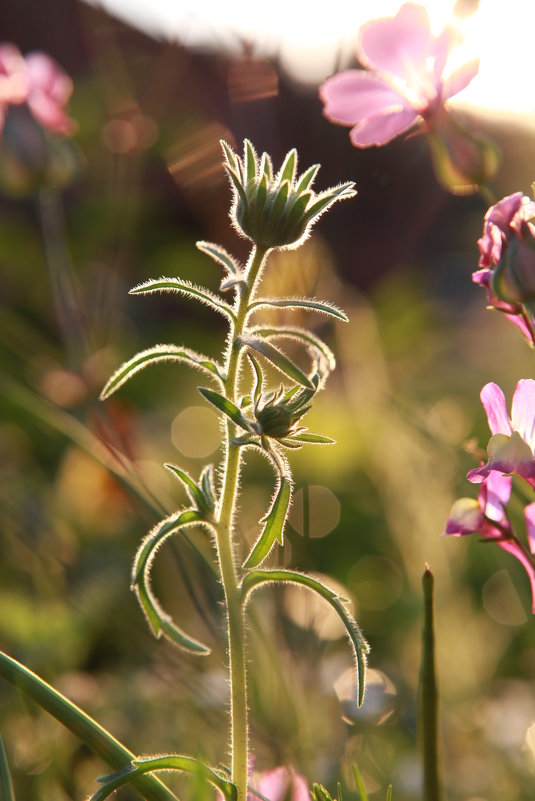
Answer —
487 517
404 81
511 446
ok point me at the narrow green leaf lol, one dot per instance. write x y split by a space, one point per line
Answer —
100 741
159 621
185 288
307 178
360 783
258 379
313 439
274 524
195 493
278 359
220 255
300 335
178 762
232 159
7 792
154 355
255 578
389 793
289 166
207 486
226 406
310 304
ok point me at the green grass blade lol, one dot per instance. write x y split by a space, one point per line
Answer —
360 647
100 741
360 783
428 692
7 792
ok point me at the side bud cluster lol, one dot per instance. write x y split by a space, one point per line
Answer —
276 211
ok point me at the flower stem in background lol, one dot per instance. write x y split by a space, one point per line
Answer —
428 692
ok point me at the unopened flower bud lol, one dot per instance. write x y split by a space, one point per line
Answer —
513 280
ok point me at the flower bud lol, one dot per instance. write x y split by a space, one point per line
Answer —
276 211
513 280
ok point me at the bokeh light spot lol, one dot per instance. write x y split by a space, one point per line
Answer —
195 432
376 582
315 511
501 601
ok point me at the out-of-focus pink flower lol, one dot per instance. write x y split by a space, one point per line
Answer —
503 222
279 784
511 446
488 517
39 82
404 81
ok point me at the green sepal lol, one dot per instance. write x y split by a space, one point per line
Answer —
219 255
255 578
178 762
307 178
278 359
309 438
249 161
226 406
7 792
159 621
278 203
320 793
310 304
195 493
324 200
154 355
185 288
274 524
288 168
97 739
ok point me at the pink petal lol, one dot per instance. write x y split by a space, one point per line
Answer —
515 550
273 784
353 95
529 514
523 410
459 79
465 518
443 45
382 129
46 75
495 494
399 45
300 788
493 401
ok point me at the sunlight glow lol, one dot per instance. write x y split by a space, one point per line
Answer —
311 46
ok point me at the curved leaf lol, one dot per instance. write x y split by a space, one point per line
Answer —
310 304
185 288
220 255
277 359
255 578
275 521
100 741
300 335
159 621
159 353
178 762
226 406
195 493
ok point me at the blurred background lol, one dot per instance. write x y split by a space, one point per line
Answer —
156 87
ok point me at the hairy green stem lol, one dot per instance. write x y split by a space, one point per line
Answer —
225 547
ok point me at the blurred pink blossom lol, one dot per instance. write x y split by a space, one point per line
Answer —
488 517
279 784
39 82
404 80
511 446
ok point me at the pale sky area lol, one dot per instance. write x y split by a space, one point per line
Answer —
311 39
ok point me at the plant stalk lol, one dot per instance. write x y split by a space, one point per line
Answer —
428 717
225 547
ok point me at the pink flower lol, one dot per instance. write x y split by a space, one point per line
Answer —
37 81
405 83
279 784
487 517
503 222
511 447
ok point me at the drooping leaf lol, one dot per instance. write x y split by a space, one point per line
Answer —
177 762
277 358
100 741
255 578
154 355
195 493
159 621
226 406
310 304
300 335
7 792
185 288
220 255
275 520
